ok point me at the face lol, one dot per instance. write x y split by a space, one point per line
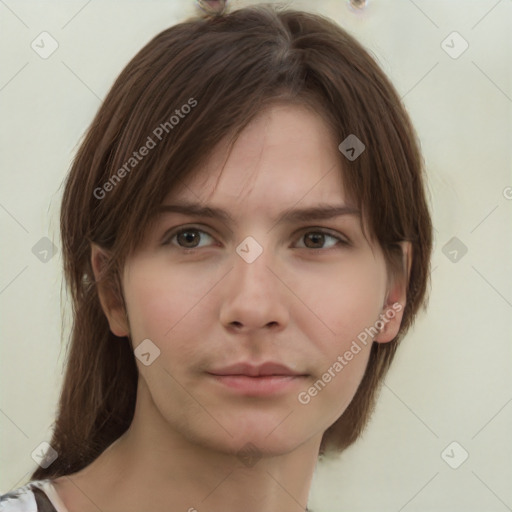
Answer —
258 287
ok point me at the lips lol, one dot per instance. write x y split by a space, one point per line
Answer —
269 379
262 370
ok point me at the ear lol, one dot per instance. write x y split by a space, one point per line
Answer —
394 304
110 297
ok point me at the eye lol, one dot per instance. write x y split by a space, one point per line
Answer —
186 238
316 238
190 237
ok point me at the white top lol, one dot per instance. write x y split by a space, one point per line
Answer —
22 499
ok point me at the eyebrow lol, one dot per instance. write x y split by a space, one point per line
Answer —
320 212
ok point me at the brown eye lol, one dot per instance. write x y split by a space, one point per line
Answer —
316 239
187 238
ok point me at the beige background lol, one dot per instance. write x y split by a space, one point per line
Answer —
452 377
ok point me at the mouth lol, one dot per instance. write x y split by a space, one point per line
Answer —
266 379
259 386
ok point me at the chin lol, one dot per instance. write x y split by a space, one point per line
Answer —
249 438
254 446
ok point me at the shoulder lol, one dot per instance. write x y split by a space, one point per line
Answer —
21 499
29 498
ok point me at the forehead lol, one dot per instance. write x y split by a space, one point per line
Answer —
287 155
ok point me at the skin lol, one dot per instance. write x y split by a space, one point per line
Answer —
209 308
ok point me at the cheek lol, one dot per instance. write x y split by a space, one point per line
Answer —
348 304
342 301
331 390
150 305
161 303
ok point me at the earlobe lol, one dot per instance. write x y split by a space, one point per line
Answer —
389 322
393 310
110 299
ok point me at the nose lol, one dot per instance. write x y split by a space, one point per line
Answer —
254 296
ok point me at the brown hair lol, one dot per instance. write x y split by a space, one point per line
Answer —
226 69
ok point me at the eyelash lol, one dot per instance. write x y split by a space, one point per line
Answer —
175 232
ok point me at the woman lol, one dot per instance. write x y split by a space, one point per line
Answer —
247 239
